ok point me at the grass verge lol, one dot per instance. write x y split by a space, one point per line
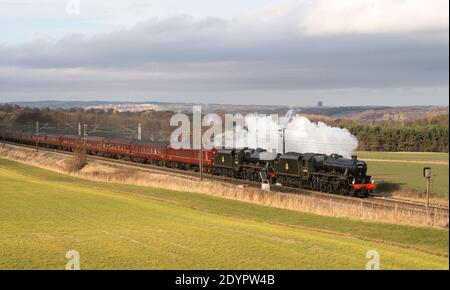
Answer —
115 226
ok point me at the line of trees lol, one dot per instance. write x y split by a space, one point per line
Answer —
107 123
420 136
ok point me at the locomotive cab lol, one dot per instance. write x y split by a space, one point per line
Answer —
224 158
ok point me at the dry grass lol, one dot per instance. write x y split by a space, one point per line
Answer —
421 197
75 163
388 189
102 171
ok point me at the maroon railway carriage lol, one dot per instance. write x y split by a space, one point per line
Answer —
153 153
12 135
27 137
117 148
94 145
53 140
40 138
189 158
70 142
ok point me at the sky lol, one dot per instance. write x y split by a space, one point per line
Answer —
285 52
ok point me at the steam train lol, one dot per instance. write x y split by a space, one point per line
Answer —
333 174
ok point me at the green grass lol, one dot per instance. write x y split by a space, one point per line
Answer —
43 215
408 156
409 176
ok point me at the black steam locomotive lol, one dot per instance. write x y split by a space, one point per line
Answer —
319 172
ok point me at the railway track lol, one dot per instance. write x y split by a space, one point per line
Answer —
374 202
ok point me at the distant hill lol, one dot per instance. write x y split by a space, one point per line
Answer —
364 114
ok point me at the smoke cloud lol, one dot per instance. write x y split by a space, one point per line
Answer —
301 135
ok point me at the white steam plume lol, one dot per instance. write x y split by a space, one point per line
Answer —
302 136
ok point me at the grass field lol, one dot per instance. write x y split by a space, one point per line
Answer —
43 215
409 175
408 156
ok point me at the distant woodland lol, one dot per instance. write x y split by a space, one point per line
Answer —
105 123
421 135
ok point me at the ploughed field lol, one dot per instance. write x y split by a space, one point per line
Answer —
405 170
43 215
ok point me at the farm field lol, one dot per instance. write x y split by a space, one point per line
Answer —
405 156
43 215
409 175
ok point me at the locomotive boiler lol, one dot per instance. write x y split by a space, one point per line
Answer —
326 173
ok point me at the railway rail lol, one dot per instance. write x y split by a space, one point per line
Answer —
373 201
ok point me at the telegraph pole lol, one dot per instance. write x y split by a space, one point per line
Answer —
200 165
201 156
85 141
284 139
38 129
200 153
37 136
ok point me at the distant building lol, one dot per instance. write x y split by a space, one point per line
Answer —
320 104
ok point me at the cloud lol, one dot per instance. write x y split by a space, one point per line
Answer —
376 16
260 57
184 39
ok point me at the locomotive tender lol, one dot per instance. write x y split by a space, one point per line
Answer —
319 172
